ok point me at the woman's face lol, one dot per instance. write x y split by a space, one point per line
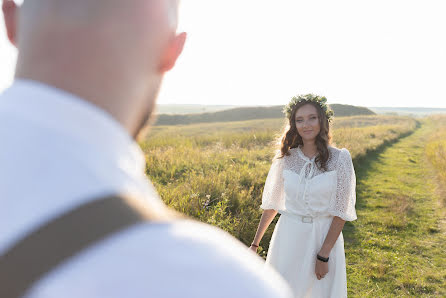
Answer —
307 122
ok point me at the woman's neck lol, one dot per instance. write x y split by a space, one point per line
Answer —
309 149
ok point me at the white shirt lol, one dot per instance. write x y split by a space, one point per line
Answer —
59 151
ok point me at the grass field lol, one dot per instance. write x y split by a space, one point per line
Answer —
436 152
216 172
396 248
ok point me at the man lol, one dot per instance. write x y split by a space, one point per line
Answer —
87 76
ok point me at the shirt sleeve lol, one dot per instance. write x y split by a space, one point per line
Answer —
343 204
273 193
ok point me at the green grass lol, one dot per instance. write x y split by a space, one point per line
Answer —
216 173
272 126
436 152
218 170
396 247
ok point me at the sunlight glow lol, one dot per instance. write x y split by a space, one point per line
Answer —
380 53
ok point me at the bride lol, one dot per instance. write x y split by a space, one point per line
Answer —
312 185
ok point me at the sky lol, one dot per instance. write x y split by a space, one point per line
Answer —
256 52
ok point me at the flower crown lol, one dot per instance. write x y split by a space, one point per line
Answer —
320 100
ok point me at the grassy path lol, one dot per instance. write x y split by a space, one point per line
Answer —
396 248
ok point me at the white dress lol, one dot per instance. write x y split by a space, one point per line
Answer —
307 199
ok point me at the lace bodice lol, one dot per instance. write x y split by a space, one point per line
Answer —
296 185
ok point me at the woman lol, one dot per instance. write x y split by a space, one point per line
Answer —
312 185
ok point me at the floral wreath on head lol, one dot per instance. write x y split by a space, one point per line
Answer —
320 100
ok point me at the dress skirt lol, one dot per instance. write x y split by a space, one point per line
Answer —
292 252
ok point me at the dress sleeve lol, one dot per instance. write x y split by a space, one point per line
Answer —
343 204
273 193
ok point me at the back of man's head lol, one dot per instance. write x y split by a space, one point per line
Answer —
111 52
130 25
85 12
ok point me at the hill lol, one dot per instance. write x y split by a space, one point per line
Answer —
190 108
408 111
348 110
250 113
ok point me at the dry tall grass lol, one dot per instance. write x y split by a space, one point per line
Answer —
436 150
216 172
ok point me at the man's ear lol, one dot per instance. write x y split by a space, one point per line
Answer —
172 52
10 10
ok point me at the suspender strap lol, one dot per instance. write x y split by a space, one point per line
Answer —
53 243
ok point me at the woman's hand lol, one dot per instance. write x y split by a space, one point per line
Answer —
321 269
253 248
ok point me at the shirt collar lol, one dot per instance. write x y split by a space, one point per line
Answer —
77 118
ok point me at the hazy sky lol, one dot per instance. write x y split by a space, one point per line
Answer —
258 52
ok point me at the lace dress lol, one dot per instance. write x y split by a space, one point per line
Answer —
307 200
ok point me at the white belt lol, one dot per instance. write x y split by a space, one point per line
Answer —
304 218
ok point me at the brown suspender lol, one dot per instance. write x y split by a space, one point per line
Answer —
53 243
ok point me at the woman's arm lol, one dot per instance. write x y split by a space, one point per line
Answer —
333 233
266 219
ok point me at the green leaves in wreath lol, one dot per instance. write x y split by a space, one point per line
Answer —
320 100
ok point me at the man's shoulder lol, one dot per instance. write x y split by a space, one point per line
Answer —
179 258
208 255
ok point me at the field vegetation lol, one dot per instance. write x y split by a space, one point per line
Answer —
396 248
436 153
215 172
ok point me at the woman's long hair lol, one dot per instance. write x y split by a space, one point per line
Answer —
291 138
